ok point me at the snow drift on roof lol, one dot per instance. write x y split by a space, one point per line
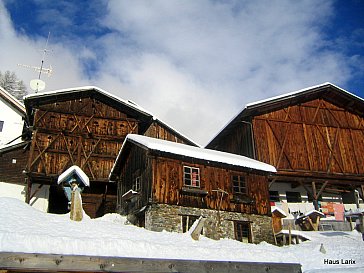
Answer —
71 171
199 153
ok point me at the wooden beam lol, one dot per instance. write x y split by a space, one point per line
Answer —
42 152
56 263
322 189
35 192
331 149
281 145
315 198
29 190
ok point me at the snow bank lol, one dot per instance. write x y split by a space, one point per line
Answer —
25 229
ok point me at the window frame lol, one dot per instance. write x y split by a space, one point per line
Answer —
198 180
136 186
241 179
187 221
239 232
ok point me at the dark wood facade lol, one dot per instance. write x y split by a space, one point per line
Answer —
314 137
12 162
84 127
162 181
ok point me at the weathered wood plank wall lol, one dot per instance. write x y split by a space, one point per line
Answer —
315 136
158 130
168 184
84 132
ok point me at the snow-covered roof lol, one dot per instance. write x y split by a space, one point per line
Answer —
311 213
197 152
74 170
299 92
12 101
85 89
274 208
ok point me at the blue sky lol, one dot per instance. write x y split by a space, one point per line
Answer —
194 64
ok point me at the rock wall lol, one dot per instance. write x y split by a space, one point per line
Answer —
159 217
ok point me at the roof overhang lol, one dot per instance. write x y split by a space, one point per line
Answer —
12 102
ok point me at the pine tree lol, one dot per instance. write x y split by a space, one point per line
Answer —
10 82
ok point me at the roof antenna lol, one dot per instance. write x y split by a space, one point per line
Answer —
37 84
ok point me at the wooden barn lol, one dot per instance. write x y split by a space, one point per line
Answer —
85 127
167 186
315 139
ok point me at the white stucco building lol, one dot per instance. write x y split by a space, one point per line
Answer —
12 113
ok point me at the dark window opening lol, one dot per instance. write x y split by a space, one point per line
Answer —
187 222
191 176
136 184
58 202
293 197
243 232
1 125
239 184
274 196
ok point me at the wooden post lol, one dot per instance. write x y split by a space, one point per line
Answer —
274 234
289 235
28 191
314 193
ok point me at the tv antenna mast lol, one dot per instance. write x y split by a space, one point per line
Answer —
37 84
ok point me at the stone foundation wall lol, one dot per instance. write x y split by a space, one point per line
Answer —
159 217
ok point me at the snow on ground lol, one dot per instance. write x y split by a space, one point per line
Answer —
25 229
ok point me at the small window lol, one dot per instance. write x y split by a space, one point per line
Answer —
293 197
274 196
243 232
136 184
187 222
1 125
239 184
191 176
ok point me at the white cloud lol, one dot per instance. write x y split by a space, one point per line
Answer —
20 49
194 64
